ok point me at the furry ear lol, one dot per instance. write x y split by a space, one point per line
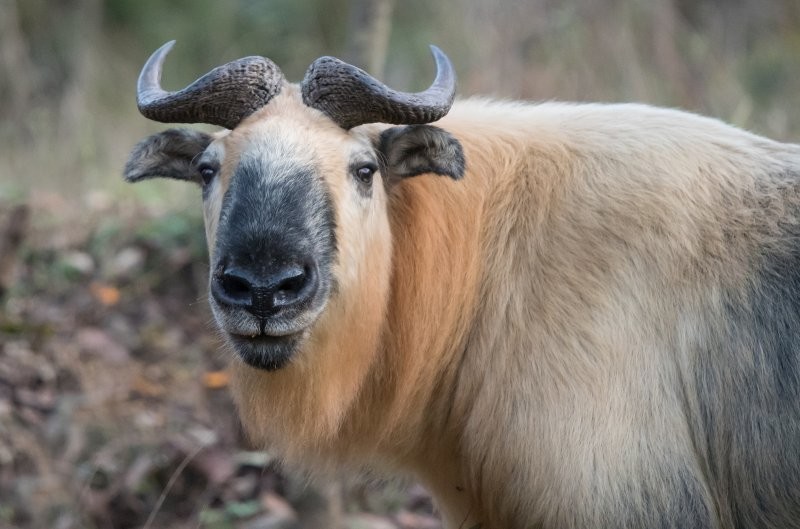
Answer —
416 149
167 154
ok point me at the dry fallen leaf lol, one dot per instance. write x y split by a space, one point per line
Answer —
277 505
216 379
98 342
146 388
106 294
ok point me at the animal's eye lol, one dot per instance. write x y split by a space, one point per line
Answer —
207 173
365 172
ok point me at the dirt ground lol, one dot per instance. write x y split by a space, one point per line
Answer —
114 410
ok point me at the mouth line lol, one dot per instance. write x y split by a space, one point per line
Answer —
264 351
262 337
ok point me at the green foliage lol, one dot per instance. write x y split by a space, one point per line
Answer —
74 114
105 234
768 73
226 516
6 512
174 230
286 30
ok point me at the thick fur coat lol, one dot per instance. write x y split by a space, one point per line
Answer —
596 327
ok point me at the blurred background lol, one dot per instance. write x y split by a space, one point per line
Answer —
113 404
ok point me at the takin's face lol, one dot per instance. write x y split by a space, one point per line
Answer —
296 217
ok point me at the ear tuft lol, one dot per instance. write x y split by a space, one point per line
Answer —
167 154
417 149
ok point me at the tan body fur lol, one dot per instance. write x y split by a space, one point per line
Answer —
523 341
595 326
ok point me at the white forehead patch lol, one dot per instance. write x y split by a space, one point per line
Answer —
279 150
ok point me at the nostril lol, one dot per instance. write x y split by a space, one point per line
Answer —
264 294
293 279
288 285
233 286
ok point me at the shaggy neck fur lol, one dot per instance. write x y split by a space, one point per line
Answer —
379 373
379 386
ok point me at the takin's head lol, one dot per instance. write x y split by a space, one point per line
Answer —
295 191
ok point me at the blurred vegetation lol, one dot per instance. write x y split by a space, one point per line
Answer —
68 68
113 410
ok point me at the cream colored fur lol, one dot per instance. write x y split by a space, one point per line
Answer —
518 340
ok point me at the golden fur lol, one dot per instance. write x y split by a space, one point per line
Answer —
522 340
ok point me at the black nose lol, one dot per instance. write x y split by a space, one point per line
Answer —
266 293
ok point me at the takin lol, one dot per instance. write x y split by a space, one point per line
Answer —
555 316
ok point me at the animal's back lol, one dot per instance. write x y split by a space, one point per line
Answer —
635 353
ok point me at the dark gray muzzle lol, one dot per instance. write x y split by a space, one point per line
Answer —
281 287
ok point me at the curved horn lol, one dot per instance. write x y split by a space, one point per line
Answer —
350 96
224 96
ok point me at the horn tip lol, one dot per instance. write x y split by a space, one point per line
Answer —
441 59
162 51
149 82
437 52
